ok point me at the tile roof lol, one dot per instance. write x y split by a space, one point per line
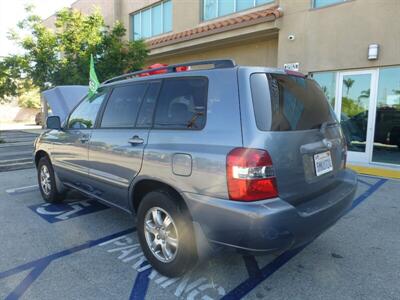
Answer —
243 20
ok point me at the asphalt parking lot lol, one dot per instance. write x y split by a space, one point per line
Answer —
16 148
85 250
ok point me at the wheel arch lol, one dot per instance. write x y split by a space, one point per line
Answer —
39 155
144 186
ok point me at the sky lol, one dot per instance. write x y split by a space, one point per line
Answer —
12 11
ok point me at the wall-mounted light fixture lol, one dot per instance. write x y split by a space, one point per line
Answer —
373 51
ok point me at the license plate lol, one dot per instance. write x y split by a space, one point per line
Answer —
323 163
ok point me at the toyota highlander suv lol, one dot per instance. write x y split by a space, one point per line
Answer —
205 154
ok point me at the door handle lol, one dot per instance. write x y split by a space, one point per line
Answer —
135 140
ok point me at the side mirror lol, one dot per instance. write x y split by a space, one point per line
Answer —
53 122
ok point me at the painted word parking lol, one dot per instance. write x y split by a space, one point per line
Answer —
94 252
189 286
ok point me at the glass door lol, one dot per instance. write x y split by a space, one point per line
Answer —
355 109
387 121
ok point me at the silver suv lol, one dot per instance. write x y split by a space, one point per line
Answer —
205 154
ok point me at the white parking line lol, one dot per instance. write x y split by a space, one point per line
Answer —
6 145
16 160
24 189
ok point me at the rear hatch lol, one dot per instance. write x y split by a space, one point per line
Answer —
299 130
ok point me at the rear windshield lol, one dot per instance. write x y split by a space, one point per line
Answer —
296 103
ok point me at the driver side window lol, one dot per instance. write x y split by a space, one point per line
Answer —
84 115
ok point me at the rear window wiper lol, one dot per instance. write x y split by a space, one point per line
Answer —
322 126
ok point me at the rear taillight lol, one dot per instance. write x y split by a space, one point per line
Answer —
250 175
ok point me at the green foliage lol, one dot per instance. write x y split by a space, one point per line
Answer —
11 68
331 100
61 56
348 83
351 107
29 96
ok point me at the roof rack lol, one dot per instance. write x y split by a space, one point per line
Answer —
218 64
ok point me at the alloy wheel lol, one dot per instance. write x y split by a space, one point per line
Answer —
161 234
45 180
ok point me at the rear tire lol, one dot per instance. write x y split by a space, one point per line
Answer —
166 234
47 182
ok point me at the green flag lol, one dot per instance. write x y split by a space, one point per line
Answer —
93 81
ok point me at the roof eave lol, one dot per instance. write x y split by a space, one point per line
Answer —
271 14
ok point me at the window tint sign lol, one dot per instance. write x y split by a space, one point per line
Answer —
53 213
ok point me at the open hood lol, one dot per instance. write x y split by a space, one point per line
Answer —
62 99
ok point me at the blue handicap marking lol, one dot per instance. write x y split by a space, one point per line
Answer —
53 213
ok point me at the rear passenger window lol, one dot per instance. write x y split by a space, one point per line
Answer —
145 118
123 106
182 104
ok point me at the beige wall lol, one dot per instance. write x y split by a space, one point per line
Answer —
330 38
11 112
253 53
49 22
337 37
110 9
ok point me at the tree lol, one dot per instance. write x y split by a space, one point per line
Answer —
325 90
364 95
350 108
348 83
11 68
61 56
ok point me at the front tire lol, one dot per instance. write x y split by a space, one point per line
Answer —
47 182
166 234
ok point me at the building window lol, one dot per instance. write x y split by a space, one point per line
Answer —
152 21
322 3
387 119
218 8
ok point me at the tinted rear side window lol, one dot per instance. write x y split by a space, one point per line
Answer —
182 104
286 103
145 117
123 106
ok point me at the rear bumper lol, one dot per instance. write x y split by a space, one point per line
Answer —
270 225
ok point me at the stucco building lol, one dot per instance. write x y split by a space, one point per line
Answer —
351 47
